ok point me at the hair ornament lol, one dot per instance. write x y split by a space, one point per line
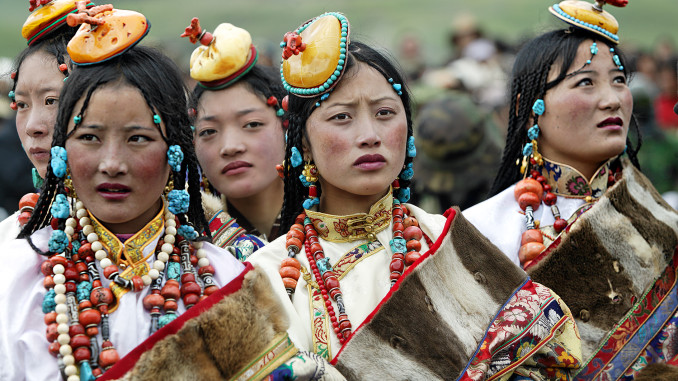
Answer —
58 161
396 86
188 232
312 67
60 207
533 132
590 16
58 241
174 158
48 15
77 119
538 107
411 148
105 33
178 201
223 56
296 158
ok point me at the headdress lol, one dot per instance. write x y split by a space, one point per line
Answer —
105 33
49 17
223 57
592 17
314 55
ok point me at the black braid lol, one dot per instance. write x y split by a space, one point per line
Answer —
529 83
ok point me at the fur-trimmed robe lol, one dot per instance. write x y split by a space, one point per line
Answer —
615 268
220 337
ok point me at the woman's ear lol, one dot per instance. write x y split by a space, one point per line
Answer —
517 105
306 149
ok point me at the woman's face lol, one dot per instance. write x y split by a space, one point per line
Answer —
239 141
357 136
118 159
37 98
587 115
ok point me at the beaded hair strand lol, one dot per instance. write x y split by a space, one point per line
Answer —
301 109
139 67
530 82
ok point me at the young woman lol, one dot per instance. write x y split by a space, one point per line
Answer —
38 76
116 249
239 136
342 266
577 214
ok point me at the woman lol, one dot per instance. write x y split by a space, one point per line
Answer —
583 220
239 136
117 247
38 76
350 143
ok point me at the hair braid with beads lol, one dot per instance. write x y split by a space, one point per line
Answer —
159 81
300 110
530 82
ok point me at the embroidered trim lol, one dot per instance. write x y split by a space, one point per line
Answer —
356 226
568 182
280 349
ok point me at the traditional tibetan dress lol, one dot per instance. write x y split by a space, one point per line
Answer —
463 310
614 264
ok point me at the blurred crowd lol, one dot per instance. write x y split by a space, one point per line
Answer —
461 117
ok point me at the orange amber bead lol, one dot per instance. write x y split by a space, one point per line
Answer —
290 283
290 272
528 185
529 199
532 235
28 200
530 251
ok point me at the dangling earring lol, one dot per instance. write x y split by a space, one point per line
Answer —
308 177
38 181
205 184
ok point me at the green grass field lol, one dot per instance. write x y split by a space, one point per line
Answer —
382 22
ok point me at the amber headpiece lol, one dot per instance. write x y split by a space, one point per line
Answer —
105 33
314 55
590 16
223 57
46 16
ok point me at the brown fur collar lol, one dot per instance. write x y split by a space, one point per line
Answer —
220 341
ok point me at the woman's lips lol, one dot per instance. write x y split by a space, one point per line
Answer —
39 154
370 162
113 191
611 123
235 168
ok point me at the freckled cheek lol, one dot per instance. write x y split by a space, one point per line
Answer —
150 167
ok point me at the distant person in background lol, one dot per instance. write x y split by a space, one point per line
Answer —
460 150
667 79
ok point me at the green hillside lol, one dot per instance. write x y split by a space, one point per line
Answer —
379 21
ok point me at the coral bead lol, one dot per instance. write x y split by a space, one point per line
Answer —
290 272
397 266
529 199
290 283
191 299
209 290
170 305
80 341
410 221
52 332
153 300
110 270
46 267
209 269
28 200
550 198
50 317
187 277
528 185
295 233
411 257
530 251
413 232
413 245
82 354
532 235
560 225
90 317
101 296
190 288
291 262
48 282
54 348
331 283
24 217
171 290
108 356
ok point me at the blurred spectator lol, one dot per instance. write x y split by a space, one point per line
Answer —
459 150
667 79
464 30
410 57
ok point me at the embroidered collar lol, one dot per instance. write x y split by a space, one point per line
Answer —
131 252
568 182
355 226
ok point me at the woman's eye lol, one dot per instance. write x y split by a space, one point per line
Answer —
88 137
253 124
21 105
207 132
385 112
620 79
139 139
51 101
342 116
585 82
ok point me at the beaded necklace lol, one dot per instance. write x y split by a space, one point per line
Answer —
529 193
405 246
77 305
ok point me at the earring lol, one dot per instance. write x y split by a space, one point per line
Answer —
58 161
308 177
37 180
205 184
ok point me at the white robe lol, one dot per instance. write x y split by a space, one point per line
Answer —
363 286
501 220
9 227
24 351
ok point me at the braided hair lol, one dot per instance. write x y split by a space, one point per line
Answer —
300 109
159 81
529 82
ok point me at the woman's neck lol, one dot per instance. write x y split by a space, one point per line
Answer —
344 203
262 209
134 226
